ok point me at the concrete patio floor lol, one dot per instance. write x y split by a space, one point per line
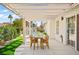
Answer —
56 48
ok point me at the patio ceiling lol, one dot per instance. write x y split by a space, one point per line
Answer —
40 9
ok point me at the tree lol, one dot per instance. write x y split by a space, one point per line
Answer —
18 24
10 17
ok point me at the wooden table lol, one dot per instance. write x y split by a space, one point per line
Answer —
39 36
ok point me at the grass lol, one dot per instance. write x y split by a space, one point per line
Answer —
10 48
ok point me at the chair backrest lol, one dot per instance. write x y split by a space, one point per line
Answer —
31 37
46 37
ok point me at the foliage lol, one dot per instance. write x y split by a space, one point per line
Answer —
41 29
18 24
8 32
1 37
1 29
44 33
10 17
11 32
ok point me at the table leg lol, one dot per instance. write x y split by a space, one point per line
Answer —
41 44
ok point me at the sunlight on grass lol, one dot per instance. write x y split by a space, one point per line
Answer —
10 48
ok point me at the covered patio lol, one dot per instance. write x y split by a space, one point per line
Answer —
56 15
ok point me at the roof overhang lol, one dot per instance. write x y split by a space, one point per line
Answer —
37 10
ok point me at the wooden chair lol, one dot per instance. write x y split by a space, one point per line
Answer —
44 40
34 41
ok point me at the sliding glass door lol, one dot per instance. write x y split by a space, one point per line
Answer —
71 31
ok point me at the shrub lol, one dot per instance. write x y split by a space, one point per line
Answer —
9 32
1 40
1 37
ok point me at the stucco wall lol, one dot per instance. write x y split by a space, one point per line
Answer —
50 28
63 25
62 30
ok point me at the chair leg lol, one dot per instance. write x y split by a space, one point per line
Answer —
47 45
30 44
41 45
37 45
34 46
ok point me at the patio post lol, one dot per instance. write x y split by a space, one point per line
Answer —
24 30
29 27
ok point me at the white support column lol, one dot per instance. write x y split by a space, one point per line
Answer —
24 30
29 27
76 31
48 28
64 28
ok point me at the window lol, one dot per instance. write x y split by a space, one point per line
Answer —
71 25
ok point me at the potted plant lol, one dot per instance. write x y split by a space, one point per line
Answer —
44 33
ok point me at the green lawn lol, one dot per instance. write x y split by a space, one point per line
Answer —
10 48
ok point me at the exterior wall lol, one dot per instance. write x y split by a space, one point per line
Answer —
50 28
63 26
62 29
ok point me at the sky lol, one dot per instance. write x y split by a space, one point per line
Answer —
4 12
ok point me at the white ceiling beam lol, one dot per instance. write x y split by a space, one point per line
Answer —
40 11
42 8
50 6
39 14
31 9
